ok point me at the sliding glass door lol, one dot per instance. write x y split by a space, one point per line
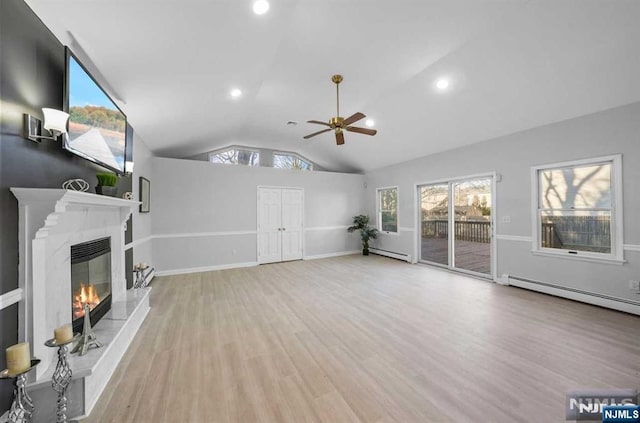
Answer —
434 205
456 224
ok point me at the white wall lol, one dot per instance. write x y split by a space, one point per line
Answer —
204 215
610 132
141 221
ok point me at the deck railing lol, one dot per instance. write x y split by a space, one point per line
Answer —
581 232
465 230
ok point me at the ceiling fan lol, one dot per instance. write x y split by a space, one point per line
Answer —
339 124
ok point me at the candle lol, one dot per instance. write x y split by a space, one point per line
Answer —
63 334
18 358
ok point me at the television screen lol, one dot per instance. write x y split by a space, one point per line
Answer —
97 127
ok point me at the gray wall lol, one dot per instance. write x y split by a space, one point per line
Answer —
32 66
609 132
142 221
193 198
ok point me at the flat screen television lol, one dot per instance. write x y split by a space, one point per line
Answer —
97 127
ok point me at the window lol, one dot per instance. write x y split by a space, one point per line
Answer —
579 208
235 156
290 161
388 209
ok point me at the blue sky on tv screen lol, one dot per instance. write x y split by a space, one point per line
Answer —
83 91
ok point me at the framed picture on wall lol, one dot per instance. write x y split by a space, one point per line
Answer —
145 195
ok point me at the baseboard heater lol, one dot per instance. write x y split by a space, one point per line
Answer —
399 256
603 300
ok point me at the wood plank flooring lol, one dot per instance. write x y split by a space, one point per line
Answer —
362 339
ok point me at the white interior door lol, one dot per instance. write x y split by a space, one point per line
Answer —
269 225
291 224
280 224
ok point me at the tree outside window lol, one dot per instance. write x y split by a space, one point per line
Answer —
388 209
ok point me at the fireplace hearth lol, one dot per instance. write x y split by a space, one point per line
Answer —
90 280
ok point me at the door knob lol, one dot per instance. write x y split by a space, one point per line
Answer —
284 229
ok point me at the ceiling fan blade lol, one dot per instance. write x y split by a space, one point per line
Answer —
317 133
361 130
318 122
353 118
340 138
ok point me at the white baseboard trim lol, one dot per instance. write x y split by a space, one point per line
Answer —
9 298
172 272
329 255
503 280
399 256
620 304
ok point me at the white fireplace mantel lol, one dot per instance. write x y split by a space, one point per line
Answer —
50 221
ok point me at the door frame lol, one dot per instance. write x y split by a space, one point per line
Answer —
304 247
418 222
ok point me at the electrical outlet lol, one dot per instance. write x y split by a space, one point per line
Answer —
506 219
634 285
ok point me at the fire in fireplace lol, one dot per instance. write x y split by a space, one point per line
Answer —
90 280
88 295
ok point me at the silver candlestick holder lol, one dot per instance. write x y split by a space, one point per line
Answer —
88 339
140 277
22 407
61 376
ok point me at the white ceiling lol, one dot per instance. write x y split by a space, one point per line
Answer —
513 65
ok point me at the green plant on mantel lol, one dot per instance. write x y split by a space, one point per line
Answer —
107 184
361 223
107 179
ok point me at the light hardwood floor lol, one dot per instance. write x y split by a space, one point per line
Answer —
363 339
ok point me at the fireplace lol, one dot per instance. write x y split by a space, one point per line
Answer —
90 280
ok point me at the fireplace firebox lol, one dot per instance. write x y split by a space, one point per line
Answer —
90 280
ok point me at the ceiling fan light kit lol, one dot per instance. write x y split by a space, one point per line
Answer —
338 124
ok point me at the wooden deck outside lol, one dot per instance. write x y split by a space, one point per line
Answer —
469 255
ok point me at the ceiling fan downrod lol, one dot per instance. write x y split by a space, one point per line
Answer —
337 79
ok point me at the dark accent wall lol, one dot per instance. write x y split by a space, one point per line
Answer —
32 63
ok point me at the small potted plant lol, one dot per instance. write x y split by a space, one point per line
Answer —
107 184
361 223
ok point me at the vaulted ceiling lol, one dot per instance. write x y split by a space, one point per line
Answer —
512 65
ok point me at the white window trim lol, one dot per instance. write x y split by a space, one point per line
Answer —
234 147
379 211
286 153
617 234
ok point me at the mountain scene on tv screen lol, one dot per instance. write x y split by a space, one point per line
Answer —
98 132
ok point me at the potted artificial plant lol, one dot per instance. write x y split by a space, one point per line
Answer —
361 223
107 184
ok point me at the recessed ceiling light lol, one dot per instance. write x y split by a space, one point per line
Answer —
370 122
260 7
442 84
236 92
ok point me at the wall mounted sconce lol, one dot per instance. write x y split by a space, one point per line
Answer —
55 121
128 168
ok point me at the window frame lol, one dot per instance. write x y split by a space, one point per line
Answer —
617 231
379 210
285 153
237 148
